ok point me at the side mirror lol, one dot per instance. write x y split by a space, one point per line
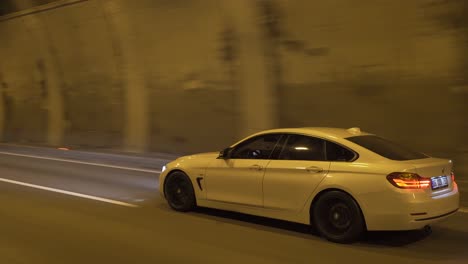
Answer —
225 153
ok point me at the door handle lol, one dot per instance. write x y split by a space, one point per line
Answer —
256 167
314 169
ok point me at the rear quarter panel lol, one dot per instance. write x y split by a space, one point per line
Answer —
365 182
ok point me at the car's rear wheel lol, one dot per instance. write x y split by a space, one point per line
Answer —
179 192
337 217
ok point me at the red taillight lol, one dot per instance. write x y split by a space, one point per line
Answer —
453 176
408 180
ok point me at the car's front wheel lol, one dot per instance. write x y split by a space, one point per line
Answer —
179 192
337 217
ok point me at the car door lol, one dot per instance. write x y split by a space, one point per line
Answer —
238 177
293 176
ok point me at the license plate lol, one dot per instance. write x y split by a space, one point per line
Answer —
439 182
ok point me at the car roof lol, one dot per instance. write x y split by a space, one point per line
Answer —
325 132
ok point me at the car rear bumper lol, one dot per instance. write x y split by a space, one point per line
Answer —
412 212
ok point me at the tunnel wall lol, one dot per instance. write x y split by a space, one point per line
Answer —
101 52
173 76
386 66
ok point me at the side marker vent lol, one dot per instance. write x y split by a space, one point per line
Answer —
199 183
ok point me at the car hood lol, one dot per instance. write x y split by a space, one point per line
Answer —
204 155
198 157
200 160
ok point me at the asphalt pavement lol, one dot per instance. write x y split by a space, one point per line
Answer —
82 207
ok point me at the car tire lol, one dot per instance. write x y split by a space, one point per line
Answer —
337 217
179 193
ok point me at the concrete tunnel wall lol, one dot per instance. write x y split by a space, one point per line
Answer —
187 76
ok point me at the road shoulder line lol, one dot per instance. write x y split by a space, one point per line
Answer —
81 162
91 197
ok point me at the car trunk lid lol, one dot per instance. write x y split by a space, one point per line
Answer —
438 170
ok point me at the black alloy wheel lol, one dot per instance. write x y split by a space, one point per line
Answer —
337 217
179 192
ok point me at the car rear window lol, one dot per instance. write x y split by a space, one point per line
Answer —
386 148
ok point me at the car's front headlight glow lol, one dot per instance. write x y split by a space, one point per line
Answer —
163 168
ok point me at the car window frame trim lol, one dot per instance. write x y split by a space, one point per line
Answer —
356 154
254 137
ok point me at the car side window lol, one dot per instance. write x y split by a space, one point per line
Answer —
259 147
300 147
279 147
336 152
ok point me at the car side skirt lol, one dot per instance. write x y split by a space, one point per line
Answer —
255 210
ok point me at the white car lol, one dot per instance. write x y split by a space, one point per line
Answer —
342 181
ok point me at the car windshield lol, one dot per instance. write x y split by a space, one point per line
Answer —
386 148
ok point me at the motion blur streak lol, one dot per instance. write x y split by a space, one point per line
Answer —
82 162
68 193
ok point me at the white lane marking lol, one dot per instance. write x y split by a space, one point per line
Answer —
81 162
463 210
68 193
